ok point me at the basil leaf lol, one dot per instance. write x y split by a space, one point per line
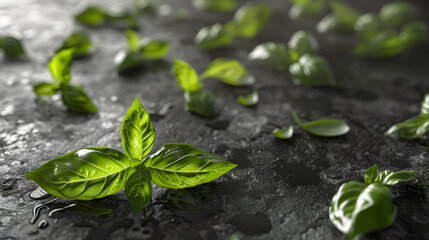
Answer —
186 76
411 128
358 208
273 54
324 127
154 49
398 13
12 47
284 133
84 174
368 25
388 177
228 71
126 61
200 102
250 99
137 132
215 5
60 65
250 18
92 16
341 19
307 8
311 70
80 42
303 42
76 100
414 32
133 40
424 110
371 174
183 166
47 89
122 20
384 44
213 36
139 188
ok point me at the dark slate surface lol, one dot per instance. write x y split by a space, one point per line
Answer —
280 190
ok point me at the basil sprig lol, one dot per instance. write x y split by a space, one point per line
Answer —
94 16
80 41
73 96
97 172
12 48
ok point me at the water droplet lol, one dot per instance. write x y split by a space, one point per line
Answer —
39 194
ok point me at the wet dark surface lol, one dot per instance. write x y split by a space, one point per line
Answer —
280 190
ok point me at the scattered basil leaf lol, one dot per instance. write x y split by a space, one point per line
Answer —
200 102
181 166
398 13
47 89
307 8
229 71
324 127
76 100
368 25
92 16
311 70
12 47
340 20
388 177
138 188
250 18
302 42
186 76
384 44
371 174
215 5
84 174
153 49
273 54
60 65
411 128
80 42
250 99
284 133
213 36
358 208
133 40
126 61
414 32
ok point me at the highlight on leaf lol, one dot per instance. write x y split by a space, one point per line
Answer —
312 70
229 71
250 99
324 127
284 133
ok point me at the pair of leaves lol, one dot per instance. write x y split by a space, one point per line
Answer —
12 48
80 42
215 5
94 16
324 127
388 177
73 96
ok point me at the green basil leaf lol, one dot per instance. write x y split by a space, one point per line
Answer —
214 36
250 99
388 177
186 76
80 42
84 174
307 8
311 70
324 127
126 61
215 5
371 174
411 128
398 13
154 49
303 42
250 18
133 40
358 208
414 32
384 44
60 65
424 110
47 89
200 102
273 54
342 19
368 25
92 16
284 133
183 166
12 47
229 71
76 100
139 188
137 132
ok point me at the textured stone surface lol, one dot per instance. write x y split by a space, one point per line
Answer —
280 190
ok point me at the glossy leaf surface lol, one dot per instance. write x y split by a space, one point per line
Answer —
200 102
368 25
324 127
12 47
311 70
76 100
80 42
284 133
273 54
250 99
411 128
186 76
213 36
250 18
303 42
371 174
229 71
47 89
138 188
60 65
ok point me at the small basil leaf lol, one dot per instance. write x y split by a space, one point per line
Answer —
368 25
388 177
200 102
183 166
137 132
47 89
250 99
186 76
307 8
215 5
384 44
371 174
250 18
122 20
424 110
213 36
398 13
411 128
60 65
76 100
133 40
12 48
80 42
139 188
284 133
324 127
229 71
273 54
154 49
358 208
92 16
84 174
414 32
342 19
303 42
126 61
311 70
